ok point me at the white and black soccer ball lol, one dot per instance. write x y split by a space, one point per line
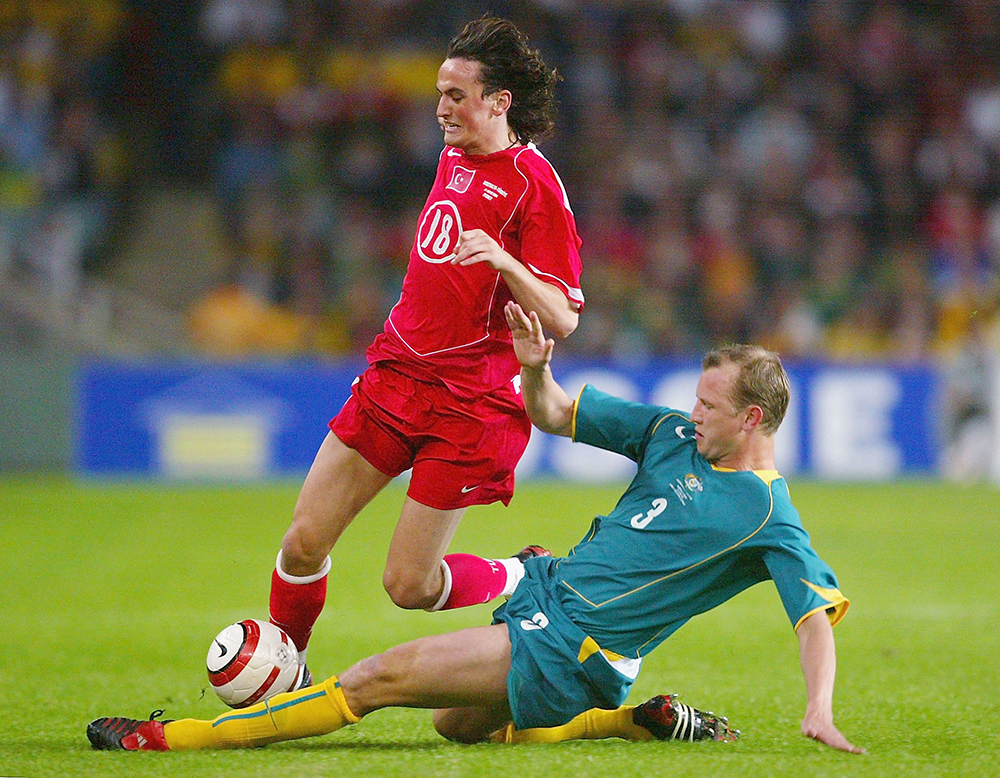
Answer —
251 661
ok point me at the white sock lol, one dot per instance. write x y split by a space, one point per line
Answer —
445 591
515 572
303 579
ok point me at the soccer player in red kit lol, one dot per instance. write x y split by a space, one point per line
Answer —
439 394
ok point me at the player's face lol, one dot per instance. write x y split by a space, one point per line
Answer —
718 425
470 121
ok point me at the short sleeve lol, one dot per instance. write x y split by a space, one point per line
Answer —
612 423
550 243
805 583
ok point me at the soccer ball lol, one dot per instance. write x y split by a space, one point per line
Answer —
251 661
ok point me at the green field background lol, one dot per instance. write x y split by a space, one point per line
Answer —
112 593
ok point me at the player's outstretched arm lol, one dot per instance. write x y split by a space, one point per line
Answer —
557 314
819 666
549 407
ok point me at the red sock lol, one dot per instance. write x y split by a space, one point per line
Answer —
474 580
296 606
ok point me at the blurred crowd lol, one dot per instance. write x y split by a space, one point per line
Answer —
62 160
820 176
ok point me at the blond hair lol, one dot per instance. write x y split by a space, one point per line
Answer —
761 380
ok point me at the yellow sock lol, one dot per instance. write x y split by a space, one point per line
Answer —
316 710
593 724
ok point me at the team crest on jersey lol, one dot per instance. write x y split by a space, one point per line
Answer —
461 179
693 483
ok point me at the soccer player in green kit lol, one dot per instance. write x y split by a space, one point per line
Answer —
705 517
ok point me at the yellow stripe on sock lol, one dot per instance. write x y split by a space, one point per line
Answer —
316 710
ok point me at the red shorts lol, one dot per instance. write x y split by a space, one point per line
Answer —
463 452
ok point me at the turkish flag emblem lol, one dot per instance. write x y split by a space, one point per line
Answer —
461 178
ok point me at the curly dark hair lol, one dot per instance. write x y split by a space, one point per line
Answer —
507 61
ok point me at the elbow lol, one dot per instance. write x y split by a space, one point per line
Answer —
546 426
554 421
565 324
560 430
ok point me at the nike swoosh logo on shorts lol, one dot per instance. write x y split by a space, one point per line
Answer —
467 489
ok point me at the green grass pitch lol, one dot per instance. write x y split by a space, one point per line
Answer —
112 593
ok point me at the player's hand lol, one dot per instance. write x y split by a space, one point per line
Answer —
476 246
531 347
822 729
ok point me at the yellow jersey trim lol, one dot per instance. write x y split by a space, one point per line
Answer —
835 610
767 476
588 648
668 416
576 404
667 577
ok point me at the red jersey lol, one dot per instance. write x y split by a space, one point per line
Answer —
448 325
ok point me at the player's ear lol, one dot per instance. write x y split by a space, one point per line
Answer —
502 101
753 416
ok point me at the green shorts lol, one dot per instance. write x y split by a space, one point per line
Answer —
556 670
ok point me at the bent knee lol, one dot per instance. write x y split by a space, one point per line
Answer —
412 590
451 727
303 551
464 725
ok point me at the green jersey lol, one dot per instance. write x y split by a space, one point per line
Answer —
685 536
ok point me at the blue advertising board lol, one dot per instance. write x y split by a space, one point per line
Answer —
250 420
192 419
